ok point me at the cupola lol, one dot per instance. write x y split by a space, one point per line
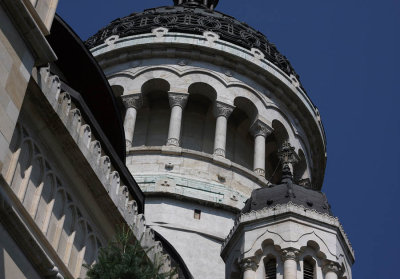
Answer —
211 4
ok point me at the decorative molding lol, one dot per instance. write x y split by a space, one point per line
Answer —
177 99
91 149
248 264
260 172
330 266
219 152
222 109
173 142
132 101
259 128
290 254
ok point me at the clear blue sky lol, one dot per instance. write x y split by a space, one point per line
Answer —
347 55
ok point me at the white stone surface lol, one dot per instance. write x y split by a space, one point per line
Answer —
175 221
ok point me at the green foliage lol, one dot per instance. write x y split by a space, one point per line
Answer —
124 258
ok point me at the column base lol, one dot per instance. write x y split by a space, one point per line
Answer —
260 172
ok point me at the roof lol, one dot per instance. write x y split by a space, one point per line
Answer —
284 193
193 19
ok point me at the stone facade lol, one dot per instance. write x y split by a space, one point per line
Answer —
61 196
207 122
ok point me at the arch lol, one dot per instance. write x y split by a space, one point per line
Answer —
198 123
64 244
156 84
90 254
240 142
204 89
78 247
30 197
46 201
300 170
22 170
56 218
309 268
152 120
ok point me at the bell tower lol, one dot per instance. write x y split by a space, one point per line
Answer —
225 143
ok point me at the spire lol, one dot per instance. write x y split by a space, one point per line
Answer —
211 4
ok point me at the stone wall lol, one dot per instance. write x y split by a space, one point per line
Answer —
15 70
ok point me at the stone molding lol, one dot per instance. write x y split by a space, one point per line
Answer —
260 172
132 101
284 209
330 266
91 149
259 128
219 152
290 254
178 99
248 264
173 142
222 109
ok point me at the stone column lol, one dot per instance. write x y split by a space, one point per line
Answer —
132 103
331 270
177 101
249 268
289 258
222 112
260 131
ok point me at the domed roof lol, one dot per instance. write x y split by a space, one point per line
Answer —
194 17
286 192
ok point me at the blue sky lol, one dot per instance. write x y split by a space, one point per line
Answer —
347 55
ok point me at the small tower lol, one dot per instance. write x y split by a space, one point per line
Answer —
287 231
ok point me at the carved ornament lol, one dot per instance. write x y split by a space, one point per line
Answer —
290 254
259 128
248 264
177 99
132 101
221 109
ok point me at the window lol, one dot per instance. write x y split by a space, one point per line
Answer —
197 214
270 268
308 270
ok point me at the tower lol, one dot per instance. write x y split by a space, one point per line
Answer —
214 116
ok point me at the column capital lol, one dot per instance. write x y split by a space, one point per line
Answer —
177 99
290 254
330 266
259 128
248 264
132 101
222 109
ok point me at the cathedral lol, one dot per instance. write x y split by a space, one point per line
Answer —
180 121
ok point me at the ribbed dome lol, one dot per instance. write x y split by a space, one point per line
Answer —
194 18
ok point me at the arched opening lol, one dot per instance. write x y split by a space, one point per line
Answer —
273 165
299 170
151 128
240 142
309 268
270 267
198 124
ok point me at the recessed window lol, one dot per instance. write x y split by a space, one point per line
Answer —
197 214
270 268
308 270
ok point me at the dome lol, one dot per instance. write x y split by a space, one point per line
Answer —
194 18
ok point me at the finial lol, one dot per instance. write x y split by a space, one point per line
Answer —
211 4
